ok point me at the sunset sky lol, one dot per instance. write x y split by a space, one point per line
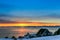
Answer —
13 12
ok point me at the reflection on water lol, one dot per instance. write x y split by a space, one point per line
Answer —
23 31
20 31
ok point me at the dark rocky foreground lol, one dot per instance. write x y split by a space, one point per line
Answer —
40 33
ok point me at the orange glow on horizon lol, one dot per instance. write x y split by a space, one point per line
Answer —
29 24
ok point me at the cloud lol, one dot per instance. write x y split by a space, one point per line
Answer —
35 13
4 15
7 21
53 15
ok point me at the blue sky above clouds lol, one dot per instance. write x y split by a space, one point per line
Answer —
30 8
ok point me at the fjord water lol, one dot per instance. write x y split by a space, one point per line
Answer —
21 31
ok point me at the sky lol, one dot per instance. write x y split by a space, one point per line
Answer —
28 13
30 10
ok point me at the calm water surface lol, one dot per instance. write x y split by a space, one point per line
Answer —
20 31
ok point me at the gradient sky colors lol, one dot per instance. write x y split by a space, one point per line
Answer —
46 11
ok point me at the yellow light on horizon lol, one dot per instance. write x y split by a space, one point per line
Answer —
28 24
23 25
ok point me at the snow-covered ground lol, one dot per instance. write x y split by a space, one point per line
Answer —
46 38
39 38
